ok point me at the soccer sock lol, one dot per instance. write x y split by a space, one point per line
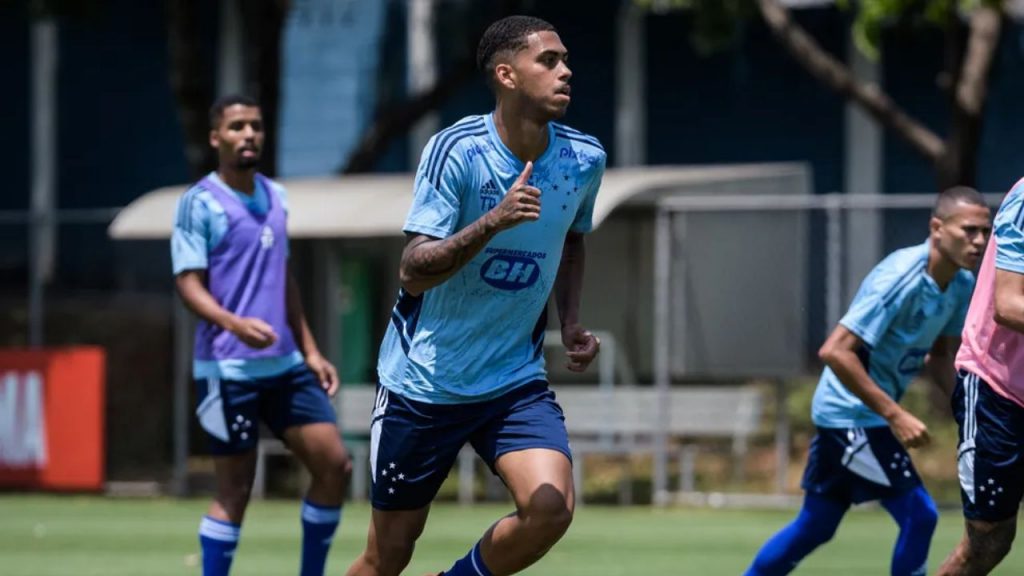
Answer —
318 526
471 565
917 516
218 540
813 526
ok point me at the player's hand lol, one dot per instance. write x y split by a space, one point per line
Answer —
325 372
910 431
581 346
254 332
520 204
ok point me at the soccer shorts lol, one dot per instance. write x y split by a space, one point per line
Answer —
413 445
990 457
230 411
856 465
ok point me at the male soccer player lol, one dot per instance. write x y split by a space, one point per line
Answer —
502 202
255 358
907 313
989 399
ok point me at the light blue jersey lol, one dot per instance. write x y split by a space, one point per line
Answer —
481 332
200 224
898 313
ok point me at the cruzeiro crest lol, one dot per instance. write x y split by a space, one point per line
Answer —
267 238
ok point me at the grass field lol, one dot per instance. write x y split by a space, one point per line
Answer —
78 536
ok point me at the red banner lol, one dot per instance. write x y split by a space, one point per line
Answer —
52 406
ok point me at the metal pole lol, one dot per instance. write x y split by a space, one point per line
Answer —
662 349
833 265
182 379
630 98
423 70
781 436
42 226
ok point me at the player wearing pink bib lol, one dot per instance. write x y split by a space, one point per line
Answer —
989 399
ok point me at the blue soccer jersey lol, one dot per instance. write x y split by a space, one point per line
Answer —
898 312
480 333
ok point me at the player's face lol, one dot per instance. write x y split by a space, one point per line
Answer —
962 236
541 73
239 137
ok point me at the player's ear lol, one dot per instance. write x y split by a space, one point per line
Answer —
505 76
935 225
214 139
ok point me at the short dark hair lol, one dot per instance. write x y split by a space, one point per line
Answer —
227 101
947 200
506 37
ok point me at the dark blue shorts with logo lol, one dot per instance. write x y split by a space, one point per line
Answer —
230 411
990 457
857 465
413 445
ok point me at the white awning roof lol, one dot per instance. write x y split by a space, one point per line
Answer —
375 206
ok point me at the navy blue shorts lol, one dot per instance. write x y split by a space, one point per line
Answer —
230 411
856 465
413 445
990 457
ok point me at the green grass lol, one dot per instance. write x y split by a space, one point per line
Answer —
77 536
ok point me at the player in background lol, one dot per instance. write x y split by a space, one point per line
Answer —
989 400
907 314
255 359
501 205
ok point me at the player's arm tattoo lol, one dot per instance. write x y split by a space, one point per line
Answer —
427 262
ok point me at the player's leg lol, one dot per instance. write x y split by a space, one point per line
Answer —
990 459
390 542
525 443
917 516
413 446
982 548
299 411
228 413
829 487
813 526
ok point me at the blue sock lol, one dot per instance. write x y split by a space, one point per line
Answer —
318 526
471 565
813 526
917 516
218 540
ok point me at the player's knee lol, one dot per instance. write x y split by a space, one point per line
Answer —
550 512
926 517
986 548
334 470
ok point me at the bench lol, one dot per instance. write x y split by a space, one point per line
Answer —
617 420
622 421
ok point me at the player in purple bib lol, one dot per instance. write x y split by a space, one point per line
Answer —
255 359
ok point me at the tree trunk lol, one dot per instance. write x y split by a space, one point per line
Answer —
397 120
189 81
837 76
263 23
959 164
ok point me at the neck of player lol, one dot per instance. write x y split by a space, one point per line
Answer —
524 136
940 268
241 179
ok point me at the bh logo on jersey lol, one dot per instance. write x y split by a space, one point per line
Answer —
267 238
507 272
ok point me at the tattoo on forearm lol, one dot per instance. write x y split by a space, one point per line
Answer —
426 259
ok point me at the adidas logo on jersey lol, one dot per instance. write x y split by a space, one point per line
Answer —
489 188
489 193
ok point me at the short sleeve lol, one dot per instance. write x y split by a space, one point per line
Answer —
583 223
191 237
437 197
955 325
877 303
1008 235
